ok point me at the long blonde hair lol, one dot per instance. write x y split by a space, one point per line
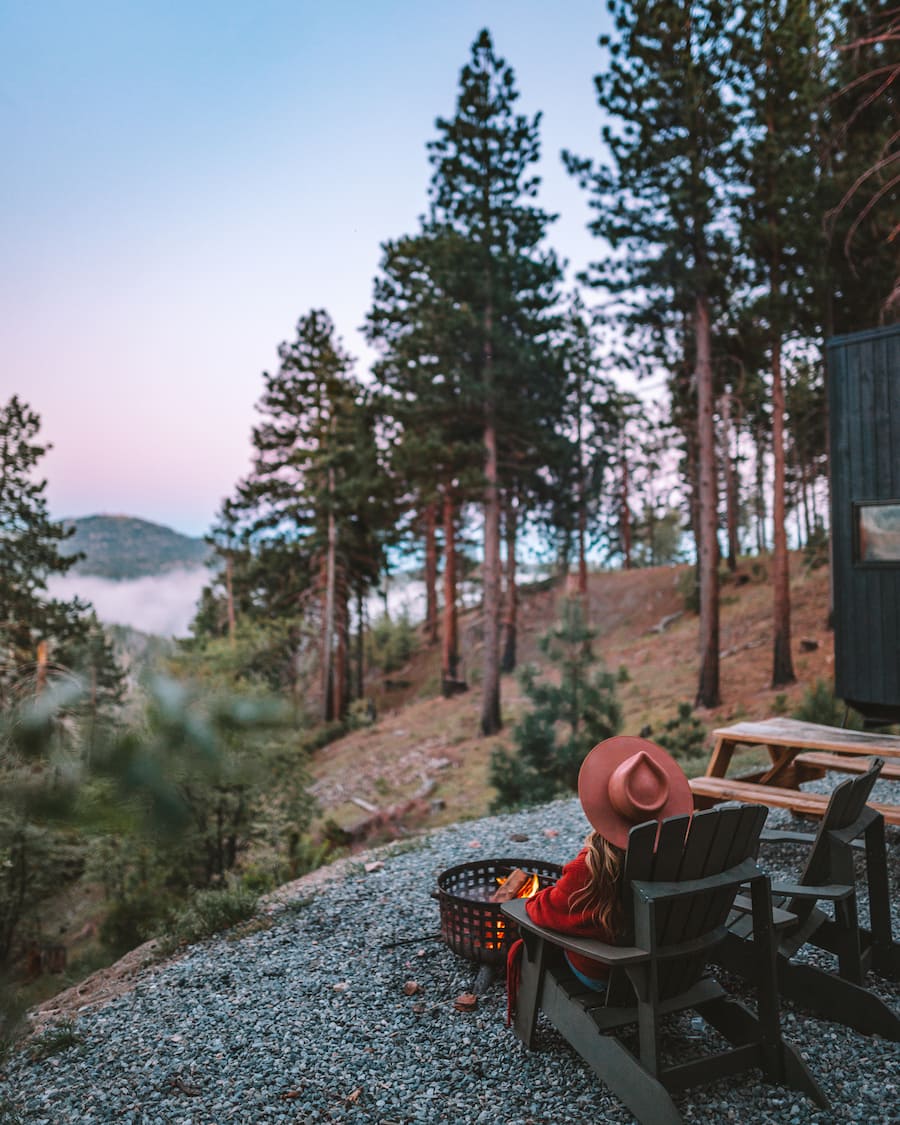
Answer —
601 897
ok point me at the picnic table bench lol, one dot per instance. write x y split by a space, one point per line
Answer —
798 752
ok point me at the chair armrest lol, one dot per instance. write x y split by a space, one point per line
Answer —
785 836
830 892
744 905
612 955
788 836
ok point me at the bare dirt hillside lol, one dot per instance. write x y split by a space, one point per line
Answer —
424 761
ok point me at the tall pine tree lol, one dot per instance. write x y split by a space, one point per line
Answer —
660 203
316 490
780 91
421 326
593 418
38 633
483 187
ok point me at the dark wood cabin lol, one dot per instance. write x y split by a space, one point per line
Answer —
864 410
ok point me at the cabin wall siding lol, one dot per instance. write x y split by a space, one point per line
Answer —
864 420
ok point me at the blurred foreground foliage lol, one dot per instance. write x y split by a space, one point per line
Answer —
196 793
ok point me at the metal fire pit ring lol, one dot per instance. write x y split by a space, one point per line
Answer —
472 927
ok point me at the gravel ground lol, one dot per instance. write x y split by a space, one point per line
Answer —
308 1021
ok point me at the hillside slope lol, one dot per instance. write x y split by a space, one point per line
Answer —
425 751
124 547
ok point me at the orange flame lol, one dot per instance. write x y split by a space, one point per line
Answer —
528 889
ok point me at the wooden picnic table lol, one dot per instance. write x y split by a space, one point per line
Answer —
798 752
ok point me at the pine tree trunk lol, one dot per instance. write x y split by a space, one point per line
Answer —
805 501
626 517
490 699
328 613
826 377
40 673
511 605
341 624
229 594
360 642
562 556
782 664
450 644
760 494
431 609
692 475
730 485
708 685
582 553
582 501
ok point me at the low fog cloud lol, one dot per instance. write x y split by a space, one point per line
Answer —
163 604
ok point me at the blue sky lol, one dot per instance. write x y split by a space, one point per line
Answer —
184 180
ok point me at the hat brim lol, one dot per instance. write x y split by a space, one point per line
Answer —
593 786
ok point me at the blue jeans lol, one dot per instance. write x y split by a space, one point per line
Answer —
593 985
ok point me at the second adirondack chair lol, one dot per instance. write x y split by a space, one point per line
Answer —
828 877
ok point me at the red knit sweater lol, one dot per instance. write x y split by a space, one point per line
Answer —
550 907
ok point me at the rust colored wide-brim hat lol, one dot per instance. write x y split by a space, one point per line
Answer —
626 781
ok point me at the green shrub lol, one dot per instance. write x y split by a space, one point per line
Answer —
360 714
55 1039
390 644
819 705
684 736
759 571
322 735
210 912
259 879
307 854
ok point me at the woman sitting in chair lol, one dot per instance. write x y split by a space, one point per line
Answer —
623 781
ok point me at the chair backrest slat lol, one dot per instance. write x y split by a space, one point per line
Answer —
639 861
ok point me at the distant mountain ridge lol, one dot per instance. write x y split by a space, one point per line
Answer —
123 547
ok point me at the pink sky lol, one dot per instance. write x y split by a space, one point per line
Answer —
190 179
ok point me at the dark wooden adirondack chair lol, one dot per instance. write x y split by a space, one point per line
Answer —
678 899
828 877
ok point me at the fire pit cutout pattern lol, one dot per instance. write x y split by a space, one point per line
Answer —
471 925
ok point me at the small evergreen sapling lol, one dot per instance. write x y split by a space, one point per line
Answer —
684 736
567 719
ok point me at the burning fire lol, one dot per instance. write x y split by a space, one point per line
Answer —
521 885
531 887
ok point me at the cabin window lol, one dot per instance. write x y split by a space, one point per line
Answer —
877 526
